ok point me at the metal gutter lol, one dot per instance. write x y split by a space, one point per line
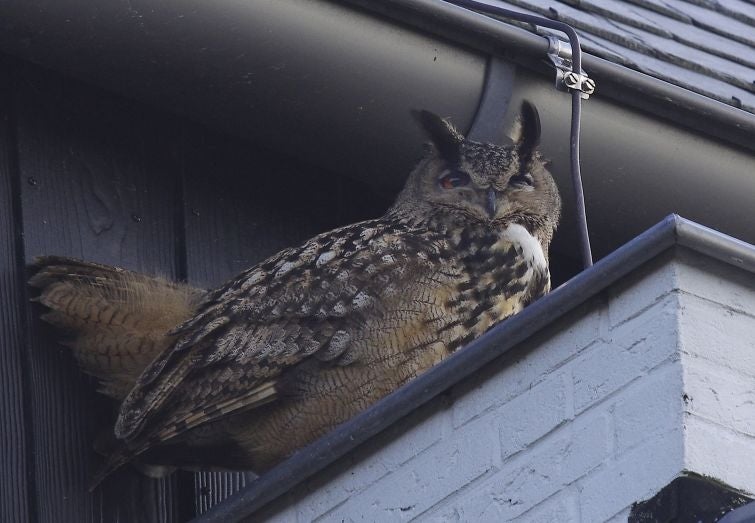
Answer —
332 82
715 244
673 230
313 79
617 82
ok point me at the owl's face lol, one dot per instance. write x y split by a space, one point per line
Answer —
485 184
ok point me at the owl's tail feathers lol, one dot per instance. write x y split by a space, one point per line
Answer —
113 463
119 454
115 320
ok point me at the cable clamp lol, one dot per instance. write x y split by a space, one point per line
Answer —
560 55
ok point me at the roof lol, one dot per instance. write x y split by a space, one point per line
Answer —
672 231
706 46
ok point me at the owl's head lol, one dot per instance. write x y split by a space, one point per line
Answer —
467 183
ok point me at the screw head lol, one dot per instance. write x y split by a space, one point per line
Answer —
588 85
571 79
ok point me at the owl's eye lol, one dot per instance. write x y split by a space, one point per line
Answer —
522 180
453 179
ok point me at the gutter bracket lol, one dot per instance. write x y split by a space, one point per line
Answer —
560 55
496 98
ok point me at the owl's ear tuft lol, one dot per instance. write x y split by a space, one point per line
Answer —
526 130
442 134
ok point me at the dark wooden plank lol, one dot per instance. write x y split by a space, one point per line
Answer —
244 204
99 181
15 492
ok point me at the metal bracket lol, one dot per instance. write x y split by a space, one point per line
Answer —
496 97
559 53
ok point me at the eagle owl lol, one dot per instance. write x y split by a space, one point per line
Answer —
241 376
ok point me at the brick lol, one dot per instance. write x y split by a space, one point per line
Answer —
531 477
437 473
641 289
716 281
316 498
516 373
562 507
620 517
719 453
408 438
717 334
650 407
661 317
636 346
569 335
397 445
533 414
280 513
635 476
445 514
720 395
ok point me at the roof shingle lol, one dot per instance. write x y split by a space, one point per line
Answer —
705 46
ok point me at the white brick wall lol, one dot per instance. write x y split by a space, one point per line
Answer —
600 410
717 342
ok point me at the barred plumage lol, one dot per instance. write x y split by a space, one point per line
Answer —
309 337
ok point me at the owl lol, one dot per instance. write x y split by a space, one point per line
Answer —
241 376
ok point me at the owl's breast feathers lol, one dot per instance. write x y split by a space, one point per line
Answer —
504 270
374 293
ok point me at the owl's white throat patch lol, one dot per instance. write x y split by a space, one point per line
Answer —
532 251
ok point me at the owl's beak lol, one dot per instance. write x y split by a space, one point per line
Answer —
491 202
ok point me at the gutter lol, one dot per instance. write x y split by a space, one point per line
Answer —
672 231
617 82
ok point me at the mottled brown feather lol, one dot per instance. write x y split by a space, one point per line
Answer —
259 318
117 319
313 335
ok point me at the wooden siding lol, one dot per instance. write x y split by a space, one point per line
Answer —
14 434
88 174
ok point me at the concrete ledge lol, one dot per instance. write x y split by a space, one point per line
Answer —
593 398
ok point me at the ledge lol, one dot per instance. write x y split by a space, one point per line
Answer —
672 231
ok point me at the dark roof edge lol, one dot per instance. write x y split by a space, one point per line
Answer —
617 82
673 230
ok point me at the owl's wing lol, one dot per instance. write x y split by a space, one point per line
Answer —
290 307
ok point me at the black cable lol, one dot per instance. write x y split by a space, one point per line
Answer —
576 178
576 112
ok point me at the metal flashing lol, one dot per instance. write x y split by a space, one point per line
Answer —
672 231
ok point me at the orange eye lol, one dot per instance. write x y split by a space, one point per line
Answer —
453 179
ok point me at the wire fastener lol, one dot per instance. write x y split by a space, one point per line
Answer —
560 54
